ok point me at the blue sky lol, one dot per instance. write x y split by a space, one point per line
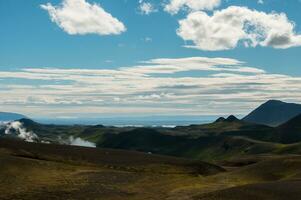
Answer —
97 63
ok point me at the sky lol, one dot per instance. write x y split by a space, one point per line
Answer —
97 58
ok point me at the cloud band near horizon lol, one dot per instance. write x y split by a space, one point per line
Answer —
158 86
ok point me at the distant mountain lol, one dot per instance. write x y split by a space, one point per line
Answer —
273 113
231 118
291 131
5 116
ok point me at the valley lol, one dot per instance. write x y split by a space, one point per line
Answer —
227 159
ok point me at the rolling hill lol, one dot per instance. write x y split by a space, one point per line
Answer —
225 138
273 113
250 161
272 178
48 171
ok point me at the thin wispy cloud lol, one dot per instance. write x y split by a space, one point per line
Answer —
169 65
138 90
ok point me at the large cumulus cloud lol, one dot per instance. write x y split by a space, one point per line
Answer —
80 17
226 28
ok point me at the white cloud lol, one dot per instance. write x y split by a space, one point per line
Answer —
170 65
81 17
226 28
174 6
146 8
150 88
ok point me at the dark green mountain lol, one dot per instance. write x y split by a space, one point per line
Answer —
273 113
5 116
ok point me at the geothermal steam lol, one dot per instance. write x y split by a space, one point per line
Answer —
80 142
17 128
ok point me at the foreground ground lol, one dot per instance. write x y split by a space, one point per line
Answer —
41 171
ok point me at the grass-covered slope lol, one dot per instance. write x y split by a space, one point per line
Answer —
280 190
210 148
97 156
272 178
44 171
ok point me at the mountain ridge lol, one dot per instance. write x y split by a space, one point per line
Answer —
273 113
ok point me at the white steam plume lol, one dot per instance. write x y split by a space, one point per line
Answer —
80 142
17 128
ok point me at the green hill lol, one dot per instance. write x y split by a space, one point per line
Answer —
225 138
210 148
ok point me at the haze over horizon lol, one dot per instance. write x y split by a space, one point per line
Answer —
75 58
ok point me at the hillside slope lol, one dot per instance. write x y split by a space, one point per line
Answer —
291 130
274 178
209 148
44 171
